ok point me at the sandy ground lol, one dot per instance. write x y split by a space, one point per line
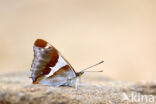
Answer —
16 88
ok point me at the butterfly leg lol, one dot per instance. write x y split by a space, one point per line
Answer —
77 83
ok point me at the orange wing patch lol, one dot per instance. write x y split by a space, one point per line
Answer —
40 43
54 58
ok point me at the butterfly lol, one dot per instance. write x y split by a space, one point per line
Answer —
49 67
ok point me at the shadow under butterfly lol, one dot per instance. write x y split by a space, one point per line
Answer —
49 67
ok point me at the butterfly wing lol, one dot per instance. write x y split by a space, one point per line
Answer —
60 77
48 66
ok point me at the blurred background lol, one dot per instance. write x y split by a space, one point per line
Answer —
120 32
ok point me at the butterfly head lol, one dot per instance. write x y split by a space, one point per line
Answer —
79 74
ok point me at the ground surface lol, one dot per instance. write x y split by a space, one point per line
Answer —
16 88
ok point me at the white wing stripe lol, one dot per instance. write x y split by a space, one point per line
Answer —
61 62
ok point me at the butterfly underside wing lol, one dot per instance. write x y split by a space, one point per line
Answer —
49 67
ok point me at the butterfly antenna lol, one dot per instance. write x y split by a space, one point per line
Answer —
92 66
94 71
